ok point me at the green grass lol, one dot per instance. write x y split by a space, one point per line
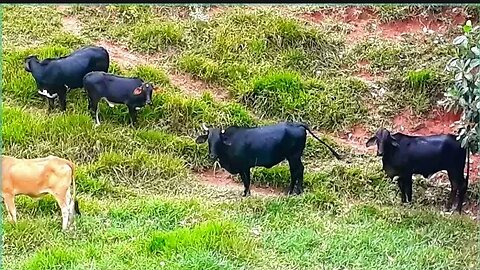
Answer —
330 105
142 204
419 89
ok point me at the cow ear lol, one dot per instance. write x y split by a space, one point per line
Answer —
137 91
201 139
371 141
394 141
27 65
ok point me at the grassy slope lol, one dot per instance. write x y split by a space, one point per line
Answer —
142 203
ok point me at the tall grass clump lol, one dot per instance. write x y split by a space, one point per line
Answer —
150 74
418 90
79 141
29 25
325 104
226 238
184 115
141 169
239 45
381 55
156 36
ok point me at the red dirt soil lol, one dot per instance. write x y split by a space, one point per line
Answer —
224 179
360 18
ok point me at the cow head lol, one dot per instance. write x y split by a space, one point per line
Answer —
216 140
382 138
27 61
147 90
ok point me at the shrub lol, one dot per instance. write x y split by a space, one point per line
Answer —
465 92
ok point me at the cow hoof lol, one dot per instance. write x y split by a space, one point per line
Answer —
298 191
246 194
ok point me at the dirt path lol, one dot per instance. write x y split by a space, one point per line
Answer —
126 59
223 179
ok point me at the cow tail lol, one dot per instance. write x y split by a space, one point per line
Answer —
77 209
468 161
329 148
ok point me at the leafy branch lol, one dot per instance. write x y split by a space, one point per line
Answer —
465 92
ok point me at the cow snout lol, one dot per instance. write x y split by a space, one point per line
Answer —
212 156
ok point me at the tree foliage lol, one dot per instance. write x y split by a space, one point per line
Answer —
465 91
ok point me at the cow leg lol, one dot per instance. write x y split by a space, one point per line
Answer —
408 188
245 175
62 98
133 115
61 198
93 109
462 191
462 186
9 201
51 104
70 206
454 180
401 186
296 175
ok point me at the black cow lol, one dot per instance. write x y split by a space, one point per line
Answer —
404 155
115 89
240 148
55 76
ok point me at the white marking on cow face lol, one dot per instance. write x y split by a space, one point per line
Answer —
137 108
45 93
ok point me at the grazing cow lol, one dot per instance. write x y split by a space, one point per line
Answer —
115 89
55 76
37 177
239 148
404 155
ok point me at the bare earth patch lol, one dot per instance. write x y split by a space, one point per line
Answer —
121 55
365 23
73 25
225 180
365 75
188 84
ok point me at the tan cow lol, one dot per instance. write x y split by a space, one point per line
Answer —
37 177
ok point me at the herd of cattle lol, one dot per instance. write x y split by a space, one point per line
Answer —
238 149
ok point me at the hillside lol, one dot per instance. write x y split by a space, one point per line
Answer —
149 195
